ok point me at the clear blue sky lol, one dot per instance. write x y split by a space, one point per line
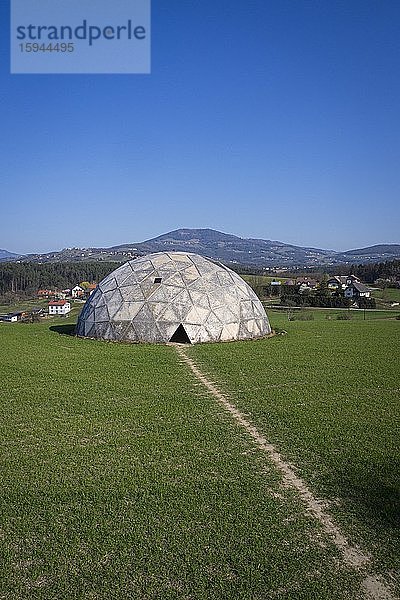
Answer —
275 119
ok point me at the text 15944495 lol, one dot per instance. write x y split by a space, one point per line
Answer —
59 47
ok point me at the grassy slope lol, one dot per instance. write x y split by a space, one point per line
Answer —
384 298
389 294
24 305
327 394
121 479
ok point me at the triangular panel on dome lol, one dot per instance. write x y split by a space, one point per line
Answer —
182 265
108 284
171 314
183 303
240 283
244 332
118 329
205 266
216 298
202 335
224 278
115 302
143 269
229 332
246 309
130 333
193 330
159 295
197 315
108 332
150 284
258 309
101 313
144 314
147 331
214 331
130 310
158 260
123 273
213 320
233 292
212 281
174 278
180 257
157 308
88 314
89 329
259 327
171 292
225 314
99 330
166 329
190 274
132 293
199 299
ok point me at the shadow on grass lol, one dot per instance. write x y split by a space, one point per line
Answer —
67 329
380 502
376 499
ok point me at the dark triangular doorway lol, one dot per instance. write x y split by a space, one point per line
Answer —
180 336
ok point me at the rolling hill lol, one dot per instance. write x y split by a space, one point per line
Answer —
224 247
6 256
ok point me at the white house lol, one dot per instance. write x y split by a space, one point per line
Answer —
59 307
77 291
10 318
342 281
304 287
357 290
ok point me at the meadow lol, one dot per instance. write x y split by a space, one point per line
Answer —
122 477
387 296
327 396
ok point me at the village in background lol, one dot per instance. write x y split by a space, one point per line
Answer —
337 291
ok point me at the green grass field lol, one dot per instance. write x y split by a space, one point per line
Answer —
122 478
279 317
386 297
327 395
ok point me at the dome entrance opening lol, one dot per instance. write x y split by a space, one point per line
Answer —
180 336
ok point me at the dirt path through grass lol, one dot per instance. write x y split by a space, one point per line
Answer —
373 585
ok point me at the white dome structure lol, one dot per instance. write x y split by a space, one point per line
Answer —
173 297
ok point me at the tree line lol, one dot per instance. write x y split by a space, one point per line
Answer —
370 272
28 277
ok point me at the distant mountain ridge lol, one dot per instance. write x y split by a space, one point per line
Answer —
5 255
387 249
226 248
229 248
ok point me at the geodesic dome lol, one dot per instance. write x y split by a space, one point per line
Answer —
173 296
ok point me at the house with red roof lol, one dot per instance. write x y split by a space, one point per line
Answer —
59 307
